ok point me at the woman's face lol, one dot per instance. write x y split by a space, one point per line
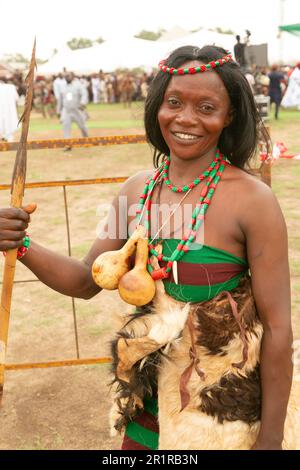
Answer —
195 110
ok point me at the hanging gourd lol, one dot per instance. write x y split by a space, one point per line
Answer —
110 266
137 287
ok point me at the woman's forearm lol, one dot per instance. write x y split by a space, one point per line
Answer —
276 379
64 274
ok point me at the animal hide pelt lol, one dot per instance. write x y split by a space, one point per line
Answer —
202 360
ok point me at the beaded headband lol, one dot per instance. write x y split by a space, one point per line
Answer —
191 70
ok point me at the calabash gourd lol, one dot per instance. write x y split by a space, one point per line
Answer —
110 266
137 287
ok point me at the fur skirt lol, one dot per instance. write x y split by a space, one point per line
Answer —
202 361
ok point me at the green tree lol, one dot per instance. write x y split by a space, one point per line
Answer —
149 35
220 30
99 40
18 58
196 30
79 43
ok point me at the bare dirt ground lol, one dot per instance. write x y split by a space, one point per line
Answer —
68 408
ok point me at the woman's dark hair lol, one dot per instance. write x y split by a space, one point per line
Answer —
238 142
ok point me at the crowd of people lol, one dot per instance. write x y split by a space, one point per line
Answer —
116 87
67 95
52 94
275 82
127 87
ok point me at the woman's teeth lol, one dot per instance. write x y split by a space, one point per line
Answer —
185 136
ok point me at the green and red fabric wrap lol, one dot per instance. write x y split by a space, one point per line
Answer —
204 273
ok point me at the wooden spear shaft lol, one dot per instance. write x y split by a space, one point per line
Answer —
17 193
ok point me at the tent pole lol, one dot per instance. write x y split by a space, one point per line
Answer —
281 20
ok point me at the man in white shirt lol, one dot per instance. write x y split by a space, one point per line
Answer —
251 80
95 88
58 86
71 106
8 111
292 94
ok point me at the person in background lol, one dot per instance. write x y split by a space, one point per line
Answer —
19 83
116 91
292 95
240 51
50 103
85 83
251 80
39 92
95 88
127 89
102 87
275 91
58 86
8 110
89 89
72 103
262 81
144 87
110 88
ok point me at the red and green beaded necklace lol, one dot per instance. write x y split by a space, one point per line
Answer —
213 175
192 185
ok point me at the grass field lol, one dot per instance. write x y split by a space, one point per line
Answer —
67 408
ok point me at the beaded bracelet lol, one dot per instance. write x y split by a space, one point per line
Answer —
24 248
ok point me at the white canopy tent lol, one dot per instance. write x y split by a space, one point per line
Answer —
133 52
202 38
62 59
126 53
108 56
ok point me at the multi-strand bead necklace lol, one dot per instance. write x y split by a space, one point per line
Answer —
212 176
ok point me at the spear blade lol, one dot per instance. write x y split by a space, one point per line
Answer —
17 193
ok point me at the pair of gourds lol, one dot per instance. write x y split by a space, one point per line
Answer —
111 270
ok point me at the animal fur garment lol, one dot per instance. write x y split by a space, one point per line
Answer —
137 352
225 408
203 362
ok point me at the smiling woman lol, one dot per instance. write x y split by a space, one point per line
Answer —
201 118
225 86
193 114
206 364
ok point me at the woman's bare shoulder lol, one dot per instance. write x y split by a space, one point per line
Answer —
258 208
249 186
136 180
134 185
